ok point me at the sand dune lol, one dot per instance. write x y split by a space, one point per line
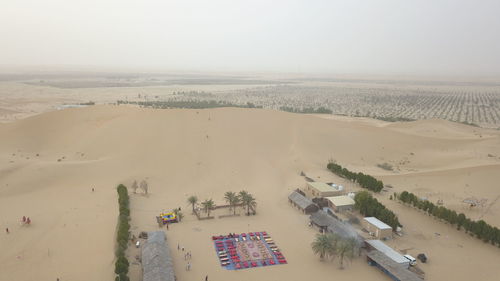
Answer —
50 162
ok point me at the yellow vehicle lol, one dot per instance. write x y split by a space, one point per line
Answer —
168 217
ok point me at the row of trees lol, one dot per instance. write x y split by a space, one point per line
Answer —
195 104
480 229
122 236
331 245
243 198
371 207
365 181
307 110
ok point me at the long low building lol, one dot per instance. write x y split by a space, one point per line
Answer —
388 251
156 259
395 270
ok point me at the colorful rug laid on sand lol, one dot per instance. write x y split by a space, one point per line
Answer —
247 250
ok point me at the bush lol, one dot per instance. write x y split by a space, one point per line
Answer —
386 166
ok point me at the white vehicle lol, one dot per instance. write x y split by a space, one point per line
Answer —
412 260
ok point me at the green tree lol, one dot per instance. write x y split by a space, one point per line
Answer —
236 201
248 200
345 248
208 205
323 245
178 214
192 200
231 198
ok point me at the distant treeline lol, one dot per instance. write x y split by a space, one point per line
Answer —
469 124
365 181
122 236
195 104
393 119
480 229
87 103
388 118
370 207
307 110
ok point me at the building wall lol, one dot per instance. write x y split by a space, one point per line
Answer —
379 233
340 208
312 192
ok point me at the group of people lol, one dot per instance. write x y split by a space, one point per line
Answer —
26 220
187 256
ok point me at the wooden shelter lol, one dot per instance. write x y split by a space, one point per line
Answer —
327 223
302 203
156 259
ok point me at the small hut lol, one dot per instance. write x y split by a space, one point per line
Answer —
156 259
377 228
302 203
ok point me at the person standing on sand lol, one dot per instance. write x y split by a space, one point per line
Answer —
206 278
7 230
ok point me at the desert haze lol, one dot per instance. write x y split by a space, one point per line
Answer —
222 140
50 162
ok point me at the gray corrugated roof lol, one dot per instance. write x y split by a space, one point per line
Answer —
388 251
301 201
157 262
398 270
333 225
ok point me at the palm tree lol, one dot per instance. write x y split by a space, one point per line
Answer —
208 204
192 200
345 248
135 186
323 245
236 201
230 197
144 186
248 200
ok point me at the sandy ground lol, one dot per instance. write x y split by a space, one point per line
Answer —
19 99
50 162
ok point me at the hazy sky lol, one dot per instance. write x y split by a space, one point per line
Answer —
374 36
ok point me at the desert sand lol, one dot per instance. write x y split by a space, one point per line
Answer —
50 162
